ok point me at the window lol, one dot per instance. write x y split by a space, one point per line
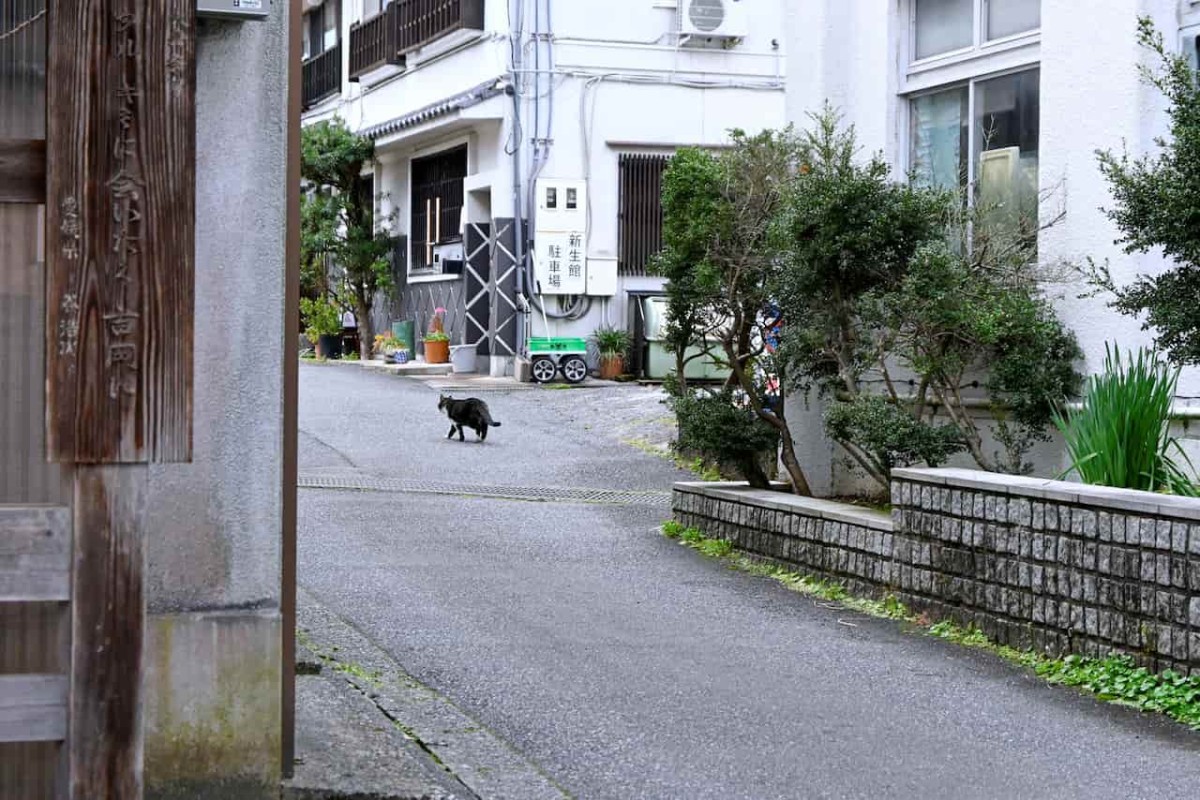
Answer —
997 151
945 26
1010 17
974 116
640 220
437 203
321 30
331 24
371 8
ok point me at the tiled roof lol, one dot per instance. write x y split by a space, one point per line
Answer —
471 97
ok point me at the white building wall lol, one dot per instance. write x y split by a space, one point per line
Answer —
622 83
855 55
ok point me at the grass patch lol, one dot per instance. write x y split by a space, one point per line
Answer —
1115 678
697 466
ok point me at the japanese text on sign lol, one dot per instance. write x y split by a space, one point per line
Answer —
562 263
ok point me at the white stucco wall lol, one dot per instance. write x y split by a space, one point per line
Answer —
1091 98
620 79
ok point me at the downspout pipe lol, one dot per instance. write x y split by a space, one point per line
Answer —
518 144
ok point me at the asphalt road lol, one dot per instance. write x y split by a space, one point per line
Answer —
627 666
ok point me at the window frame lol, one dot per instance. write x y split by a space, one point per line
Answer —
982 61
443 152
971 85
637 228
980 46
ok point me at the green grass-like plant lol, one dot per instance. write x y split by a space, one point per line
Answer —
1121 436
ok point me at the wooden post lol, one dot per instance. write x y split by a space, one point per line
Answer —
291 393
120 247
105 742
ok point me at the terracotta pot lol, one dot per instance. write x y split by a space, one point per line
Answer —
611 367
437 352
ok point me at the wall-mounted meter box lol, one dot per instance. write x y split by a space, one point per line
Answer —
233 9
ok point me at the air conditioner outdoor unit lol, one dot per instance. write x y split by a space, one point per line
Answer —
704 20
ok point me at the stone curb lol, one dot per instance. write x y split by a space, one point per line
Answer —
472 757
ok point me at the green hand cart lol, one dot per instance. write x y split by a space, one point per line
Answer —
551 355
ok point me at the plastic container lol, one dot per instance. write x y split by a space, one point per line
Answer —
462 358
403 330
662 359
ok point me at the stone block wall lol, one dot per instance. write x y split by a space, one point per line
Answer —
834 540
1062 567
1059 567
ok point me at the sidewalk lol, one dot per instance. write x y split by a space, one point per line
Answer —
443 378
366 728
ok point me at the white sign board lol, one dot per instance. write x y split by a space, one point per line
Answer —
561 262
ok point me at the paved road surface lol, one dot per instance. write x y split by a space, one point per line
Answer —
626 666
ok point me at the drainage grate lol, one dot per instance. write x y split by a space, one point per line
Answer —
542 494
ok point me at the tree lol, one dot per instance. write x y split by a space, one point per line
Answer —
692 212
339 219
719 212
846 238
886 284
1156 204
319 219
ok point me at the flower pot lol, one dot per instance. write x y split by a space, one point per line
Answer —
329 345
462 357
611 367
437 352
400 357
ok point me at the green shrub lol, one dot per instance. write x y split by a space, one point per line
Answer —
888 436
714 427
1121 436
321 318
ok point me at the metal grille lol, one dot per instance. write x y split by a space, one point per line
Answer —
640 216
437 202
539 494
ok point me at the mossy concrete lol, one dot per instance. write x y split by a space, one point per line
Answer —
213 705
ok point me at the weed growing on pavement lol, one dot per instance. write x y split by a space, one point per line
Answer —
697 466
1118 680
672 529
330 658
1115 678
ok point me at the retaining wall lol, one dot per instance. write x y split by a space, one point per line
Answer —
1060 567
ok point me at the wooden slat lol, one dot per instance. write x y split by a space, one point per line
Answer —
33 708
107 632
121 230
35 554
22 171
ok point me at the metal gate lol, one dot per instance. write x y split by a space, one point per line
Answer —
97 130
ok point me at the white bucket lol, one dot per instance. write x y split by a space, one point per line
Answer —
462 358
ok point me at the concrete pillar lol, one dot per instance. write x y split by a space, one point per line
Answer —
214 526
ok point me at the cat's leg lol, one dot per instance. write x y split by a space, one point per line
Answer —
461 437
450 435
482 433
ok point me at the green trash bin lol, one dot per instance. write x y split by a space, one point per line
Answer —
403 330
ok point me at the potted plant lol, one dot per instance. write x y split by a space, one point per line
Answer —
613 344
390 348
323 326
437 341
437 347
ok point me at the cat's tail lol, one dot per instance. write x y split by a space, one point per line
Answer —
494 424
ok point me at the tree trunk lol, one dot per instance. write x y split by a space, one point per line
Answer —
366 330
792 465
